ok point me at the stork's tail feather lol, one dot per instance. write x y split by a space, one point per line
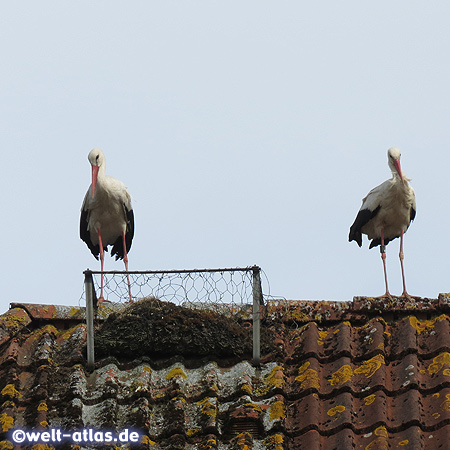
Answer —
376 242
355 235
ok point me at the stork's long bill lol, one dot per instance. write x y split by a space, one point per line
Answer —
398 168
94 178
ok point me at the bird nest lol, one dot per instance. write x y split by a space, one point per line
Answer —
151 327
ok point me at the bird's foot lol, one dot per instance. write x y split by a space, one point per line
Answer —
102 299
386 295
409 297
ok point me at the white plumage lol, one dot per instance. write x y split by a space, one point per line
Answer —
106 215
386 213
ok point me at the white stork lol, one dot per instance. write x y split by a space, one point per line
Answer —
386 213
106 215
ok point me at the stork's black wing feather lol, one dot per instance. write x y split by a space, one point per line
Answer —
117 248
364 216
85 235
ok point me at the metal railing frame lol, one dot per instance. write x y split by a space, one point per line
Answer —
256 310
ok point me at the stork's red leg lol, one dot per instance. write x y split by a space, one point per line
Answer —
102 258
125 260
383 257
401 256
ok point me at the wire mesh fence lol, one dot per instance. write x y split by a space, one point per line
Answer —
235 292
228 290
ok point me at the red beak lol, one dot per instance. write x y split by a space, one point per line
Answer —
94 179
398 168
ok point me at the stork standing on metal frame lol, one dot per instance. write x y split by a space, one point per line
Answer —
386 213
107 216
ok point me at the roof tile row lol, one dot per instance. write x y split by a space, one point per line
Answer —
349 376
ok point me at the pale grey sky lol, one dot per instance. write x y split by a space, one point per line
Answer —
247 133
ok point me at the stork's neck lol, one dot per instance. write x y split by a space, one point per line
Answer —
101 174
396 178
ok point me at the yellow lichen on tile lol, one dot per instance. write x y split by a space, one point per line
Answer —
14 318
309 378
441 360
274 442
296 314
7 422
336 410
46 329
275 378
6 445
10 390
44 424
178 399
369 367
369 399
147 441
436 415
176 372
322 336
147 369
247 388
74 311
42 407
8 404
381 441
254 406
425 325
381 431
445 405
42 447
242 441
277 411
373 445
192 431
67 334
208 407
405 442
342 375
418 325
211 443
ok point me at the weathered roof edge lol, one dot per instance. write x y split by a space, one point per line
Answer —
360 308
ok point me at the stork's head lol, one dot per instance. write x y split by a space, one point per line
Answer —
97 160
394 161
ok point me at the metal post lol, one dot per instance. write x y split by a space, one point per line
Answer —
257 302
89 289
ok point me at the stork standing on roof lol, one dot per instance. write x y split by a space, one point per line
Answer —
106 216
386 213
